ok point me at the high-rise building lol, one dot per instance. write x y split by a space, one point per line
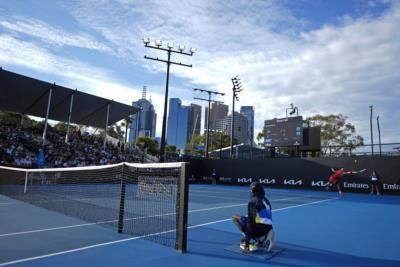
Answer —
194 120
248 112
218 111
178 124
240 130
143 122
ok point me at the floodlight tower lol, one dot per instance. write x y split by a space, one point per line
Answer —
237 88
169 49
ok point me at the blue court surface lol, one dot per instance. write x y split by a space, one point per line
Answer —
313 228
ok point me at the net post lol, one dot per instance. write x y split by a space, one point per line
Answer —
122 201
182 213
26 181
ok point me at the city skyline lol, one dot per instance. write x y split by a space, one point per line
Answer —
326 57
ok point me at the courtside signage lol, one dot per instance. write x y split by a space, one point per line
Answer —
393 187
319 183
266 181
244 180
293 182
355 185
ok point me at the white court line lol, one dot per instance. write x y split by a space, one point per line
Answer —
242 188
211 196
139 237
47 201
10 203
269 191
128 219
274 210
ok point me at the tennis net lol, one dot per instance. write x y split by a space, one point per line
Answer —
147 200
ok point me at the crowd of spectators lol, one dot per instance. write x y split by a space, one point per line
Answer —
19 146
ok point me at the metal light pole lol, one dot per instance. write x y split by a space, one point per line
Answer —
251 144
379 135
209 100
220 145
370 123
237 87
169 50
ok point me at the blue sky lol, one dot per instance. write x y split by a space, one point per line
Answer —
326 57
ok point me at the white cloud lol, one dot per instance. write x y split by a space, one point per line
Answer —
52 34
74 74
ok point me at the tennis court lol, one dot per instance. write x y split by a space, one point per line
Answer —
313 228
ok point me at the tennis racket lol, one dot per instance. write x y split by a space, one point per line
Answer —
360 171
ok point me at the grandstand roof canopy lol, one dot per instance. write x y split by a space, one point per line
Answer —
22 94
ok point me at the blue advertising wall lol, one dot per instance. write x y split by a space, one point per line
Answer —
299 172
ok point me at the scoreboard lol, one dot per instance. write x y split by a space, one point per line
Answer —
284 132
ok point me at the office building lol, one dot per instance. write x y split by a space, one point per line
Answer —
240 130
248 112
194 120
218 111
178 124
143 122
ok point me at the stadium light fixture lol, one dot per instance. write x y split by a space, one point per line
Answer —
192 50
158 43
237 88
146 40
169 49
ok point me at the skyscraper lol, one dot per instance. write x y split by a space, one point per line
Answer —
240 130
194 120
144 122
248 112
218 111
178 124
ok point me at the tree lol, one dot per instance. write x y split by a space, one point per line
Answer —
112 132
337 135
150 144
62 127
116 132
193 147
260 137
217 140
170 148
16 118
126 123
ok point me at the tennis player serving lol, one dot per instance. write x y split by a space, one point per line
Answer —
334 179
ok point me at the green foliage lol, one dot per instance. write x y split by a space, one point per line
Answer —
62 126
112 132
219 140
116 132
260 137
216 141
150 144
126 123
337 135
170 149
192 147
15 118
